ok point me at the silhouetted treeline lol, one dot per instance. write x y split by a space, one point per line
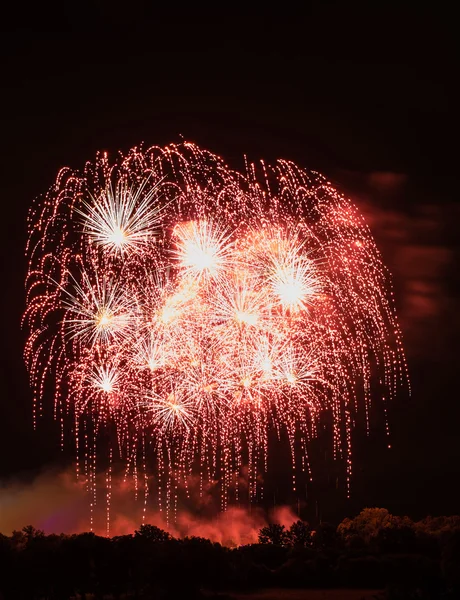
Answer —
375 550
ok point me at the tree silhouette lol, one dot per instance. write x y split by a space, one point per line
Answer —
275 534
391 552
300 534
152 533
368 524
451 563
326 538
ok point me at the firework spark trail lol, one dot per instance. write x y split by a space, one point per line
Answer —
178 302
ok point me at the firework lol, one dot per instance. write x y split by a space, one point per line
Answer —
192 309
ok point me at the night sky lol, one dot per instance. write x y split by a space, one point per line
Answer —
364 95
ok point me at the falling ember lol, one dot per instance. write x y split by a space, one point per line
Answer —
192 309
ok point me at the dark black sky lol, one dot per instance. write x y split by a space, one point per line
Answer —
353 90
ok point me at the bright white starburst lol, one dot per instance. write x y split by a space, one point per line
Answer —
96 309
294 283
168 411
203 248
105 378
123 218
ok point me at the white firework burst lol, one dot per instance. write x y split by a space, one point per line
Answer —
122 219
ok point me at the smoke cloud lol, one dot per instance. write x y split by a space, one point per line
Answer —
419 243
56 502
